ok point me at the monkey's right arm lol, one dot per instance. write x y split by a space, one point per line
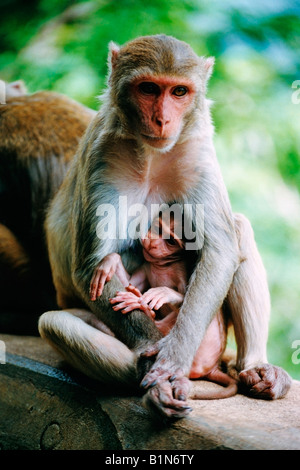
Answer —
136 330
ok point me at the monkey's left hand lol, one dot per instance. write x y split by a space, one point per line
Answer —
265 381
168 388
168 399
131 300
156 297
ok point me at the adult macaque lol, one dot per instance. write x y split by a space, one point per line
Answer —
162 280
152 142
39 134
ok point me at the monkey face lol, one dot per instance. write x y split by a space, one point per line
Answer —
161 104
161 242
157 84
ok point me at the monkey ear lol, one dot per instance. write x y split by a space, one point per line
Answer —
208 65
113 54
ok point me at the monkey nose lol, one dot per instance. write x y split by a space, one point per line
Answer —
162 122
152 243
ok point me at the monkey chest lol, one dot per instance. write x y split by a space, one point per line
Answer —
160 179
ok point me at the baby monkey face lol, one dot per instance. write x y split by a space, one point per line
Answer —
161 240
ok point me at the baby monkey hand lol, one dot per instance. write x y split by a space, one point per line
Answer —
130 300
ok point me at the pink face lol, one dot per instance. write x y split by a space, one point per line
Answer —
161 241
162 103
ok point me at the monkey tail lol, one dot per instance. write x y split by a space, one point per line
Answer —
229 387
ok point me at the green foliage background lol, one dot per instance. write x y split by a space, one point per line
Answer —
62 45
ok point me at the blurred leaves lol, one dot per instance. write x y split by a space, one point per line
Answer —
62 45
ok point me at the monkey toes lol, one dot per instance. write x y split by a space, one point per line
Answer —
167 392
169 398
265 381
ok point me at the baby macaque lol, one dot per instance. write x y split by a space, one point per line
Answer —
158 287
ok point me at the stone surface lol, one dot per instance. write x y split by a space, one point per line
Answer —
45 405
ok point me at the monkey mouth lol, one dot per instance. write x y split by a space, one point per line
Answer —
157 139
161 143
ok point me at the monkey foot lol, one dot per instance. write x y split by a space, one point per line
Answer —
168 399
265 381
167 393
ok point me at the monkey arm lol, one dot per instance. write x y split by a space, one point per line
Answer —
139 279
207 290
135 330
209 283
205 295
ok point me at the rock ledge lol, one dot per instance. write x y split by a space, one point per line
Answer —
44 405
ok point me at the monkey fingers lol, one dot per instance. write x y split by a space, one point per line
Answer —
100 277
265 381
181 388
147 310
103 273
159 374
160 399
124 297
151 351
133 298
138 306
127 307
157 302
156 297
94 285
134 290
127 302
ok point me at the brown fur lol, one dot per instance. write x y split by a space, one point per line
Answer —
38 137
42 124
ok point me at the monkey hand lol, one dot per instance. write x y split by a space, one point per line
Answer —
168 399
103 273
156 297
129 301
167 391
265 381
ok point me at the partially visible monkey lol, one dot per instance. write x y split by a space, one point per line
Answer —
163 279
15 89
152 142
39 134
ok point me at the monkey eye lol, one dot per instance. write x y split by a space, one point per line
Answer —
148 88
171 241
180 91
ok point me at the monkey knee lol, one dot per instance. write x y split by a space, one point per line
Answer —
242 226
43 322
245 235
48 324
